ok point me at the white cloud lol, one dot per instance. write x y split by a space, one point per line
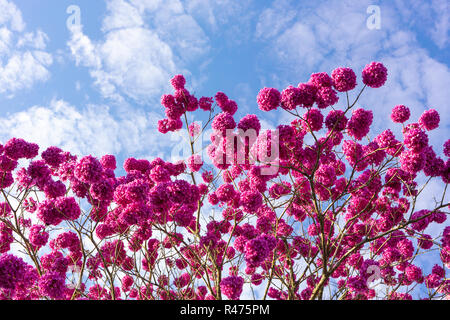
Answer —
431 18
440 32
94 129
145 43
37 40
23 59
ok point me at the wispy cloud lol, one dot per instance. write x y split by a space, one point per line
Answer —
23 59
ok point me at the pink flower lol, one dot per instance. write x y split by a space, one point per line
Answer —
374 75
88 170
48 213
344 79
411 161
415 139
178 82
336 120
5 209
321 79
195 163
225 192
387 140
326 175
290 98
400 113
230 107
232 287
194 129
359 124
103 190
251 201
425 241
52 285
307 95
38 236
429 120
354 153
447 148
12 271
268 99
248 122
17 148
127 282
258 249
326 97
313 120
205 103
222 122
414 273
68 208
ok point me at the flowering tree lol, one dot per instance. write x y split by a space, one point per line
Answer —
307 210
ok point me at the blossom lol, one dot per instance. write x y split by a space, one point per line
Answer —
67 208
205 103
5 209
268 99
290 98
336 120
307 95
413 273
232 286
248 122
251 201
102 190
374 75
52 285
88 170
411 161
7 164
222 122
447 148
225 192
266 222
38 236
258 249
415 139
178 82
325 97
387 140
313 120
48 213
344 79
195 162
17 148
359 124
321 79
12 271
429 120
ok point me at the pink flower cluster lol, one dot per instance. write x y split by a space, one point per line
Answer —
320 213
